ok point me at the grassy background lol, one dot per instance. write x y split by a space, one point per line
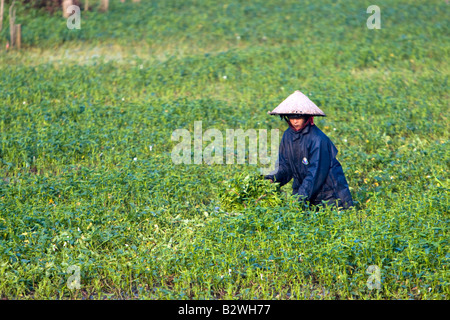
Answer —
78 106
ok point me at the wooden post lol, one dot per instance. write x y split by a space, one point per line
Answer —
12 20
86 5
2 4
12 36
18 35
104 5
66 4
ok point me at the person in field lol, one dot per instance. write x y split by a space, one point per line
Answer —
308 156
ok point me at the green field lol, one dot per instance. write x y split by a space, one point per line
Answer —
87 179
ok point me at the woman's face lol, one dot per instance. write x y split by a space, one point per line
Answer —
297 122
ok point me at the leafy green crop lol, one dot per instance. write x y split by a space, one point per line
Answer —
245 190
87 179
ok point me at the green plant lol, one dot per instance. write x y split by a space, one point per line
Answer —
249 190
87 180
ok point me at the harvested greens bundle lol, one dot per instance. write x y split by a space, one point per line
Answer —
243 191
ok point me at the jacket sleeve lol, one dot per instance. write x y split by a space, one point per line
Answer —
282 173
317 171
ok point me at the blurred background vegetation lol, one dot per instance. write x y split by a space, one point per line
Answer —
86 176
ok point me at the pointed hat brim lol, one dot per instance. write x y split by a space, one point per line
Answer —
297 103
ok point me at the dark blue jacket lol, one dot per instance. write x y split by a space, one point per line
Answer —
309 157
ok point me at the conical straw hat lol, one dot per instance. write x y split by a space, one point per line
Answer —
297 103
